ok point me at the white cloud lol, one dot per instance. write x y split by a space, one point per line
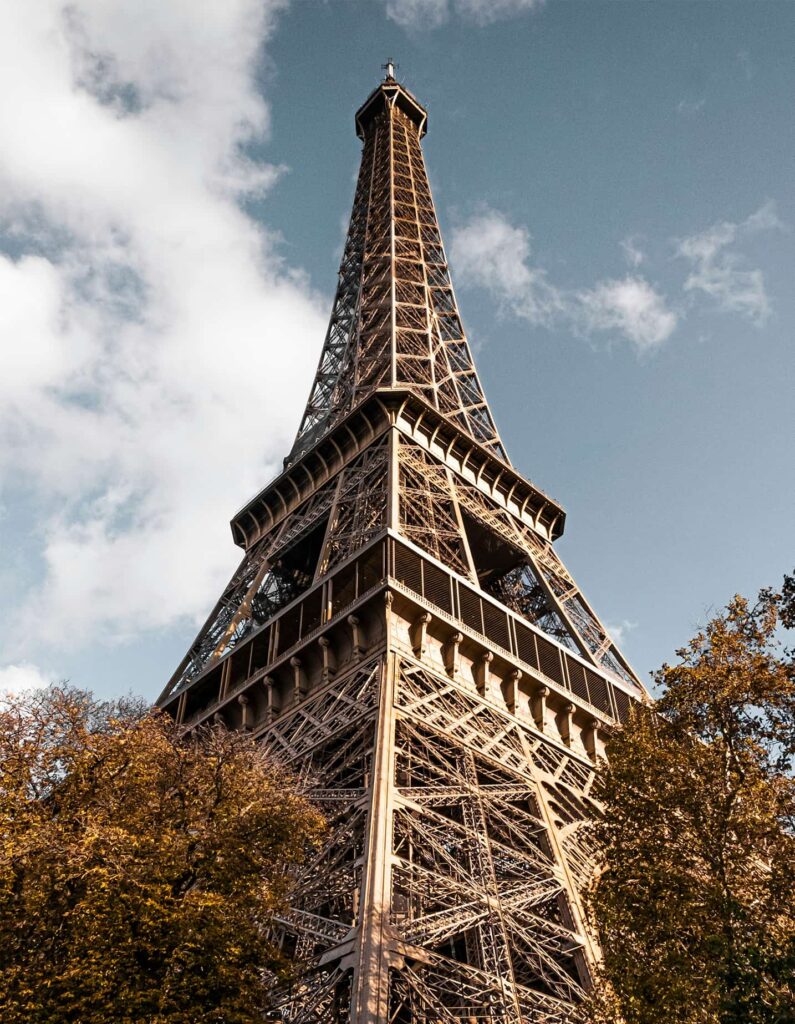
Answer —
691 107
633 253
156 350
766 218
483 12
418 14
491 253
40 346
620 630
718 269
16 679
631 306
427 14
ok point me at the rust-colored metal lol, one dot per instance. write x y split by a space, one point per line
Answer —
402 632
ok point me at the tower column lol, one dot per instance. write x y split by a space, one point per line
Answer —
370 1001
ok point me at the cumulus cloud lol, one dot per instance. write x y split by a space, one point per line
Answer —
15 679
156 349
719 270
426 14
491 253
630 306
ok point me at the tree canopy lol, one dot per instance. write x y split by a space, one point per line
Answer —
139 871
694 899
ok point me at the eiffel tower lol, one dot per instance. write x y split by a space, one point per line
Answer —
402 632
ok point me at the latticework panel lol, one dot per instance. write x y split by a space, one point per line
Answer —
395 320
328 742
426 507
359 509
481 883
430 344
544 590
480 917
332 388
344 514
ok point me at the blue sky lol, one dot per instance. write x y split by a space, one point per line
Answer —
614 183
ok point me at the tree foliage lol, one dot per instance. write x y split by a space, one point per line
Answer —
139 872
695 901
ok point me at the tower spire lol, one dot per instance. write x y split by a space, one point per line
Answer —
402 632
395 322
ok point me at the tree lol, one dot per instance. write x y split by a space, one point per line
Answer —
694 899
139 871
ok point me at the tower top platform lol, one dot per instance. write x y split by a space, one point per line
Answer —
391 93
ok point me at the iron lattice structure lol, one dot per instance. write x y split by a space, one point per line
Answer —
403 633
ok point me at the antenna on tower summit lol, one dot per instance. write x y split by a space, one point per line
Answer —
390 68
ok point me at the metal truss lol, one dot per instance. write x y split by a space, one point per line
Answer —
427 510
351 508
395 321
432 500
543 588
447 888
478 909
359 510
431 505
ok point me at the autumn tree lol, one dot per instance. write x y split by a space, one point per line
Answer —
695 901
139 871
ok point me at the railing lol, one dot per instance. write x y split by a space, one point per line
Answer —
505 629
291 627
390 559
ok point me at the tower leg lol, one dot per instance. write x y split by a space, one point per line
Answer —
370 1002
